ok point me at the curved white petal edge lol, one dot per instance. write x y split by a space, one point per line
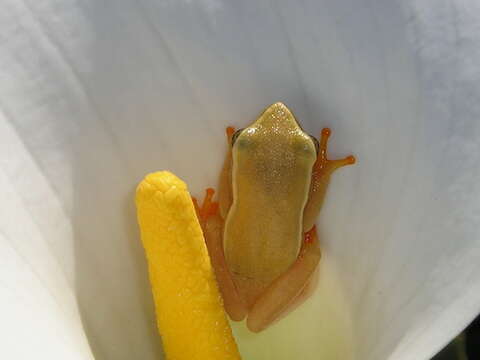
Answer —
95 94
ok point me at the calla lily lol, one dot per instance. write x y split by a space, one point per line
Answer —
95 94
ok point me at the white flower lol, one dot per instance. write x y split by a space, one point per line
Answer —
95 94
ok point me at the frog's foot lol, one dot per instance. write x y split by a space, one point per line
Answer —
209 207
324 166
322 169
212 225
290 289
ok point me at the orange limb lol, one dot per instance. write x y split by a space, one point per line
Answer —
208 207
321 172
225 192
230 131
323 166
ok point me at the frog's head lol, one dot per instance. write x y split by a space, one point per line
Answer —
275 126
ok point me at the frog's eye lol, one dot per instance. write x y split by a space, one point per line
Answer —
235 135
316 143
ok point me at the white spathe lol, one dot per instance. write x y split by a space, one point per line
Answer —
95 94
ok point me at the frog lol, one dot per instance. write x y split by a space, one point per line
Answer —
260 231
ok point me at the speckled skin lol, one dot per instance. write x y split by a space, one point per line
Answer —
272 168
189 308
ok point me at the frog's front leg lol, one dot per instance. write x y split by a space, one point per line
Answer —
225 191
288 287
322 170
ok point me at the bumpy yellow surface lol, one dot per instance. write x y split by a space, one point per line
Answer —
189 308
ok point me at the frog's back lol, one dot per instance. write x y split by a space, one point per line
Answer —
272 166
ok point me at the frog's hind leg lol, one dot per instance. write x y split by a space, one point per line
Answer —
212 225
306 292
322 170
287 291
